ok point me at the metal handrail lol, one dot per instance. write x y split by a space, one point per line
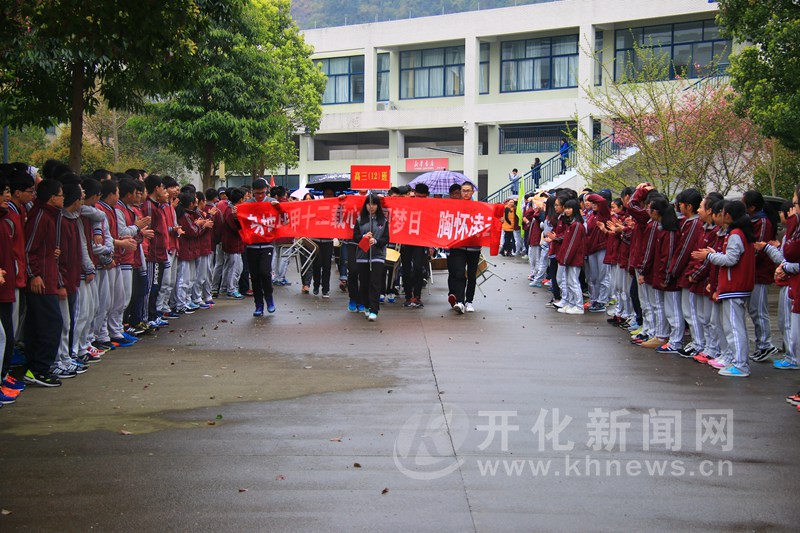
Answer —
605 148
547 172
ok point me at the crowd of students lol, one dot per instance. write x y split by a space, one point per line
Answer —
699 265
90 264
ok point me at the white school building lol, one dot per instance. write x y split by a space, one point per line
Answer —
485 91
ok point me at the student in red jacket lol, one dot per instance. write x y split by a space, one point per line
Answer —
22 193
232 245
596 239
70 266
194 228
736 279
570 257
690 239
45 287
765 225
201 290
7 265
638 211
665 287
156 249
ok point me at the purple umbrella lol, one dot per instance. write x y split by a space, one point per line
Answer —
439 181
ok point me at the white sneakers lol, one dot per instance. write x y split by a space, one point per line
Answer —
459 307
573 310
469 307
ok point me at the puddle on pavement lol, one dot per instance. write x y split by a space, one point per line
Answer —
137 391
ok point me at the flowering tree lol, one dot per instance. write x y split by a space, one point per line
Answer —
686 132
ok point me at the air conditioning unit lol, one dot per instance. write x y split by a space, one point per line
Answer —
381 106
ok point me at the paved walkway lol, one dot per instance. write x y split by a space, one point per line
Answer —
316 420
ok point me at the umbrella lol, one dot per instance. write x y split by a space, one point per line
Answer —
299 193
339 181
439 181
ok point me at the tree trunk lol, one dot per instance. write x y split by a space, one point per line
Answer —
115 136
208 164
76 118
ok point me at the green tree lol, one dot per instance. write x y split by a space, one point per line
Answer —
59 57
256 81
24 142
766 73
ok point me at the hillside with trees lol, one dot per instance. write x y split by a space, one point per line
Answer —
326 13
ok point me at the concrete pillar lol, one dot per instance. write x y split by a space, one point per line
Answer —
370 78
394 76
305 158
586 65
471 88
397 148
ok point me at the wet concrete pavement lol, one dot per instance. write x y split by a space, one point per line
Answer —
314 419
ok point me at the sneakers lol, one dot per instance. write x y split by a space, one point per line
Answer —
135 331
169 315
361 308
12 383
5 400
203 306
187 311
687 351
614 320
259 311
63 373
573 310
316 291
11 393
717 363
535 284
636 331
452 300
270 305
281 282
352 307
122 342
469 308
596 308
666 348
563 310
653 343
794 399
733 372
43 380
382 298
558 303
390 298
235 295
372 317
459 308
129 337
702 357
412 303
760 356
640 338
326 295
785 364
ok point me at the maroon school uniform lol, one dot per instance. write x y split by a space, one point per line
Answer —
156 248
690 239
666 242
40 249
231 240
573 246
69 260
639 213
764 232
188 250
649 240
738 280
7 262
697 273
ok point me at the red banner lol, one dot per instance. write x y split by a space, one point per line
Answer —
434 222
426 165
370 177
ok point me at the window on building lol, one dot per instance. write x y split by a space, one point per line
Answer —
536 64
694 49
534 138
598 57
383 78
432 73
345 80
484 68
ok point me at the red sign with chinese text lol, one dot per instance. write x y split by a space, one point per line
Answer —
426 165
370 177
440 223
